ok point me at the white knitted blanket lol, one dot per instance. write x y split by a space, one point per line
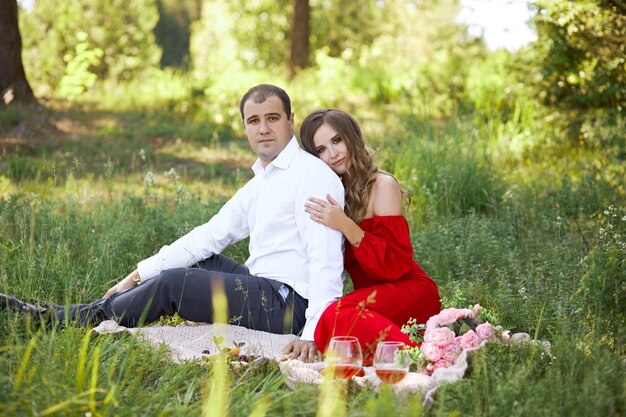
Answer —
191 341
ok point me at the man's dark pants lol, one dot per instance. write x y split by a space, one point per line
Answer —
253 302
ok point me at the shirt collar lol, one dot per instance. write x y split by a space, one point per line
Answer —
283 160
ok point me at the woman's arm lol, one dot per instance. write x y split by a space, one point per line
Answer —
386 199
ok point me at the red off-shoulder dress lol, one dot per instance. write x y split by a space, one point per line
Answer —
389 289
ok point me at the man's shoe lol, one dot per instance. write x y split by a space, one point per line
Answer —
10 302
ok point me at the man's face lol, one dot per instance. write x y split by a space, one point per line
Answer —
267 127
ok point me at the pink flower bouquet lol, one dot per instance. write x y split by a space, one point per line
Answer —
449 333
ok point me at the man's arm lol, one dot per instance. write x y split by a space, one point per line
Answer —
228 226
130 281
325 255
323 246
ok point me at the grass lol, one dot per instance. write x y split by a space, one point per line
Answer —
86 191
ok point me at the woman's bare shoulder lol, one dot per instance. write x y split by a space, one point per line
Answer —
386 195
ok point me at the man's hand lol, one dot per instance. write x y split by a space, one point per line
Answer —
130 281
304 350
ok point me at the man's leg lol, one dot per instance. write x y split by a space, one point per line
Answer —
253 302
294 315
135 302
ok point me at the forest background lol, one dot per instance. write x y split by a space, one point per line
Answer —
515 162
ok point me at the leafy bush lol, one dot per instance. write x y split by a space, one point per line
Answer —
582 46
78 78
121 29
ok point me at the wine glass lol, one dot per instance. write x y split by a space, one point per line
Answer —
391 361
344 356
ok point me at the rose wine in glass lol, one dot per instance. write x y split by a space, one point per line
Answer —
391 362
344 356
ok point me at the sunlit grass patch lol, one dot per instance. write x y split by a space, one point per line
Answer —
234 155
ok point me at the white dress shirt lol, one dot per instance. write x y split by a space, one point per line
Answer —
285 244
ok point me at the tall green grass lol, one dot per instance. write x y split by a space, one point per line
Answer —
527 238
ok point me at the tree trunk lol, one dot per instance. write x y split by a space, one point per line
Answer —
300 30
13 83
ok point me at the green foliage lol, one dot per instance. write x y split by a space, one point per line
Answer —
524 380
492 89
447 168
414 56
387 400
601 297
581 198
122 30
261 32
521 263
585 48
580 55
343 28
421 53
213 48
78 78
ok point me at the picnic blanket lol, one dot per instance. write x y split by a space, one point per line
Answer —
190 341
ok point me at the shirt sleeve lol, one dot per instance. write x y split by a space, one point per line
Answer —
228 226
386 253
323 245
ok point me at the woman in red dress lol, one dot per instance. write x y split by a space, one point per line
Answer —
389 286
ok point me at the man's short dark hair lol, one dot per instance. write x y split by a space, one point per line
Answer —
262 92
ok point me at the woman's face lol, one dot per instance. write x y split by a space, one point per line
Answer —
331 148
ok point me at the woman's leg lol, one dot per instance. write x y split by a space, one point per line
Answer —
375 314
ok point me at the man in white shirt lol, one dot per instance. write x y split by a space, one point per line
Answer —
295 266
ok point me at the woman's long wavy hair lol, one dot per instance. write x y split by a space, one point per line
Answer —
361 173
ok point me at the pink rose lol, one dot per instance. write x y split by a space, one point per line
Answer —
470 340
457 340
431 352
461 313
451 352
441 364
432 322
505 336
485 331
447 316
441 336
